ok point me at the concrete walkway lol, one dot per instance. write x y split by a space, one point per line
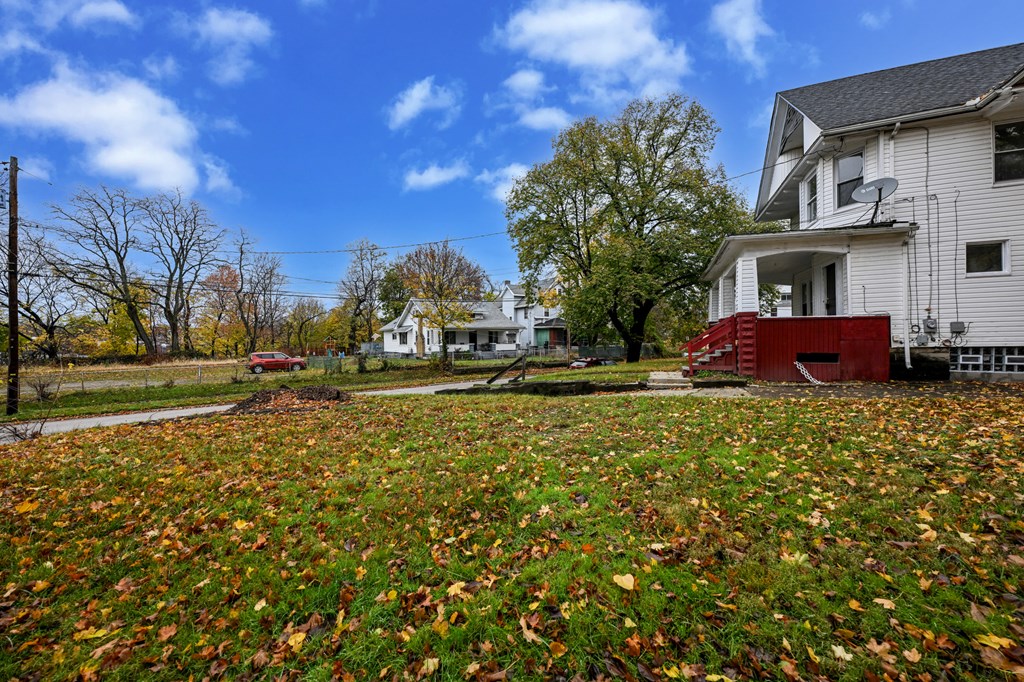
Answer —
9 432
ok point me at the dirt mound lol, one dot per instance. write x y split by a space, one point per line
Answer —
287 399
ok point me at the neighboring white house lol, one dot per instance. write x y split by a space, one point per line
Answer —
944 259
412 334
543 327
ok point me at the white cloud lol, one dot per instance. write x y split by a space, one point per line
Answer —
217 178
160 68
500 181
228 124
102 12
36 168
545 118
526 84
612 44
423 96
232 34
128 129
435 176
875 20
740 24
14 41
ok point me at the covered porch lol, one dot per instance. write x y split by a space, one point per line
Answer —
848 304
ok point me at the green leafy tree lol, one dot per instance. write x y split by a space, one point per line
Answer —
393 292
628 212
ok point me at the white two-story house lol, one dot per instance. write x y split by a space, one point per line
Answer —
941 261
540 316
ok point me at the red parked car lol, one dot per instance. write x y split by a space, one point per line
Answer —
259 362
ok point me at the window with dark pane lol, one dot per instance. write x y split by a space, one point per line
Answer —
812 198
986 257
849 176
1009 161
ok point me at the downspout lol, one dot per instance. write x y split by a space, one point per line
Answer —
905 274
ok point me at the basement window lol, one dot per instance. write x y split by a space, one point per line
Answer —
987 258
1009 151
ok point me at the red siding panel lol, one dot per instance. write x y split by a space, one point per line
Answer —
861 344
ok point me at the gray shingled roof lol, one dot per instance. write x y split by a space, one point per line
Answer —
916 88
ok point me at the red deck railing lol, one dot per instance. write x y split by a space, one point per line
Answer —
716 338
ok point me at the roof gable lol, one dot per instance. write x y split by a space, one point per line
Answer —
906 90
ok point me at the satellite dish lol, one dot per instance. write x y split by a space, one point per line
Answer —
876 190
873 192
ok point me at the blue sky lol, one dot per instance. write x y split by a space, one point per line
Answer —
314 123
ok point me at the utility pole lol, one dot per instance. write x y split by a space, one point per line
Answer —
13 383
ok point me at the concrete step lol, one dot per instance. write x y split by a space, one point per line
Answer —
667 380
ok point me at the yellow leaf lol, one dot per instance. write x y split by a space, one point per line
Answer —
966 537
855 605
994 641
392 595
241 524
840 653
430 666
260 605
296 640
814 656
557 649
718 678
456 589
360 572
440 626
40 586
626 582
885 603
670 671
629 623
26 506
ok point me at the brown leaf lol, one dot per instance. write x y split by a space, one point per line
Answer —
528 634
913 655
978 613
165 633
615 665
997 660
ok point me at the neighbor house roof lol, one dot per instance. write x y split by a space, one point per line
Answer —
487 315
917 88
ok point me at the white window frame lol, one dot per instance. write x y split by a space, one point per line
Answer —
1005 258
813 177
835 177
1008 181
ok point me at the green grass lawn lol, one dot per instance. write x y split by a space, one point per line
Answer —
451 539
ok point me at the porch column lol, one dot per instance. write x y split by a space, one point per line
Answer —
746 286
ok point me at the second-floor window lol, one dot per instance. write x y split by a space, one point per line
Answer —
811 188
849 176
1009 161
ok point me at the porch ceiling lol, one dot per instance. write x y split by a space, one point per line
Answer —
779 268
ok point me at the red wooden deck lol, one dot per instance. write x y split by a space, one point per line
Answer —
854 348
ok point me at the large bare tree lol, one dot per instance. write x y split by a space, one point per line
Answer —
362 283
46 299
183 242
102 230
258 295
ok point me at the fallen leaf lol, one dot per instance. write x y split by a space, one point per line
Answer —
260 605
626 582
26 507
166 632
558 649
913 655
855 605
994 641
296 640
528 634
840 653
885 603
430 666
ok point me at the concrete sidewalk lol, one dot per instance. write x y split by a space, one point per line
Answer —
79 423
